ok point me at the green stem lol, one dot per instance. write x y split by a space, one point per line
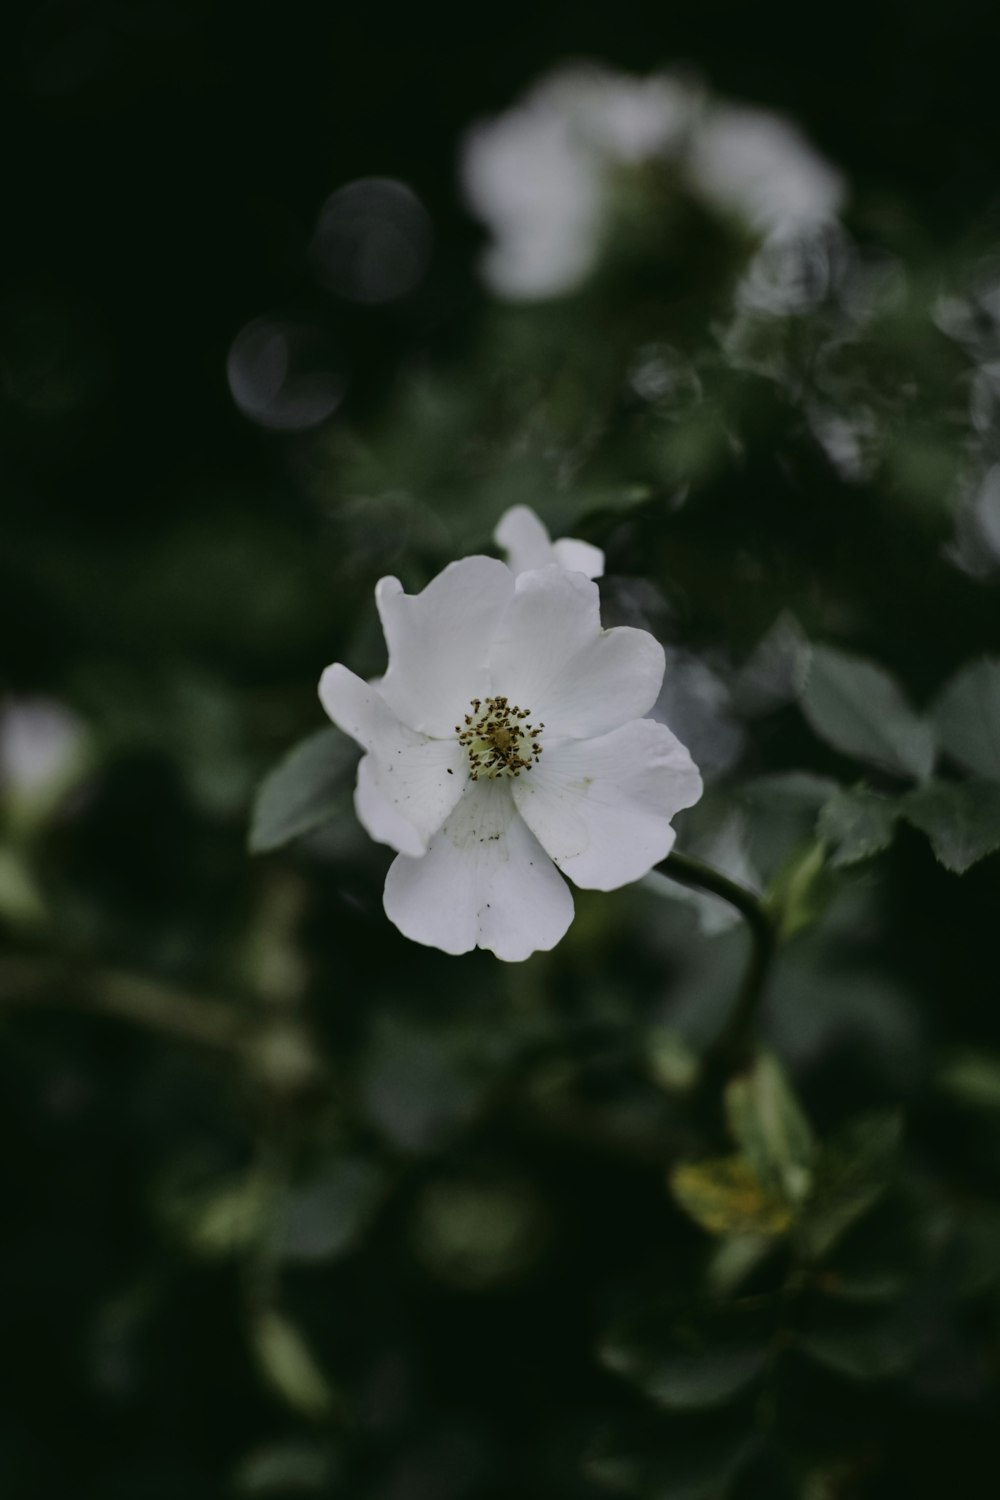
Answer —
734 1040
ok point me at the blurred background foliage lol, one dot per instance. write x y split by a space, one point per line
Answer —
294 1207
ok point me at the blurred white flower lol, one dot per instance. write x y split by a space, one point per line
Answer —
538 175
539 192
42 746
504 744
525 540
621 118
542 176
758 167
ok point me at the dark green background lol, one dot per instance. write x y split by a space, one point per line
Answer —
181 578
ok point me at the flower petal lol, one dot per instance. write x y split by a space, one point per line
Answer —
602 808
523 537
407 784
379 818
579 557
358 708
438 641
484 882
551 656
418 788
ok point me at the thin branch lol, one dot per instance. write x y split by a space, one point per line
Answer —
278 1050
732 1044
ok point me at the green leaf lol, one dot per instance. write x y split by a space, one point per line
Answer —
329 1215
967 716
671 1062
287 1364
421 1085
857 823
308 788
725 1196
781 812
788 793
283 1469
664 1459
21 900
860 1344
853 1170
475 1233
961 819
800 890
878 1260
219 1218
972 1078
733 1260
691 1359
975 1251
769 1126
861 711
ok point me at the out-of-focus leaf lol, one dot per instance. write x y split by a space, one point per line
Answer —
288 1366
419 1084
972 1078
781 813
306 789
967 716
698 448
733 1259
327 1216
220 1218
671 1062
859 1343
21 900
283 1469
877 1260
961 819
687 1360
800 890
790 792
857 823
875 1284
860 710
472 1233
673 1460
766 681
853 1170
769 1126
974 1262
725 1196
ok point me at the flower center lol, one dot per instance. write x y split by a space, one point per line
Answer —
497 738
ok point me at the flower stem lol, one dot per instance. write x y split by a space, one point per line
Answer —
733 1042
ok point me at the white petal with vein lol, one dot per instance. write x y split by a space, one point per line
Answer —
407 783
483 881
438 641
550 655
602 808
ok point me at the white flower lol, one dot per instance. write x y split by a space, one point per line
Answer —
757 166
539 175
506 739
44 747
526 176
527 543
544 176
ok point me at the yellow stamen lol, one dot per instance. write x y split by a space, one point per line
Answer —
496 740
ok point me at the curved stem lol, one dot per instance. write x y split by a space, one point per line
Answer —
733 1042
